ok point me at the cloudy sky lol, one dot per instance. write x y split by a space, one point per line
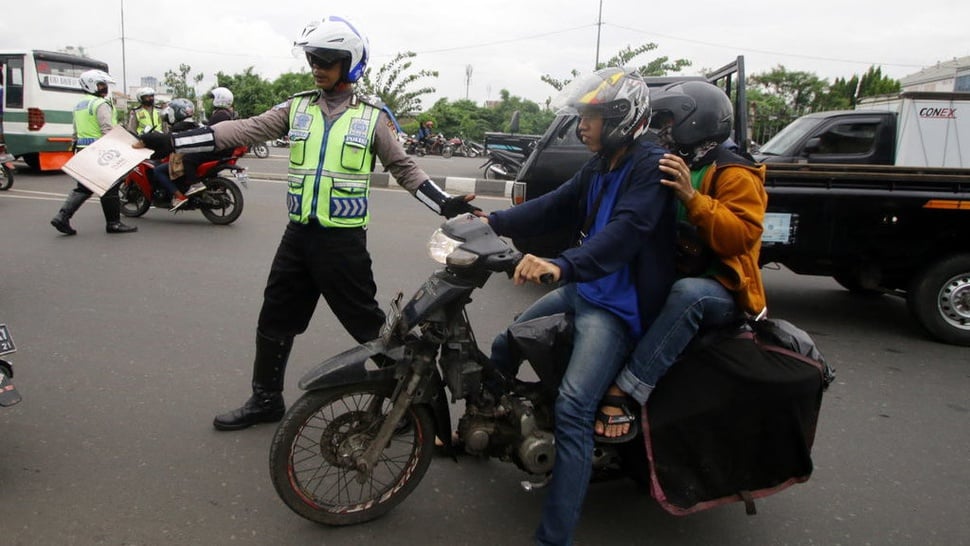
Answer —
509 44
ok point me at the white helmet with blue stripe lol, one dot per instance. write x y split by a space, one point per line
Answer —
335 39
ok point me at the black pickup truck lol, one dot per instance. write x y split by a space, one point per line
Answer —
877 229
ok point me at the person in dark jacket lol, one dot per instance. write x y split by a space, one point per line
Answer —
614 281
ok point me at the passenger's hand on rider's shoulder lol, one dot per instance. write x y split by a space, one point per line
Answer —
155 140
532 268
674 167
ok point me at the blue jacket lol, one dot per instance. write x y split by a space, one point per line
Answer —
640 232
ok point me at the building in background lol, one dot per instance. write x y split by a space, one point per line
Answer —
946 76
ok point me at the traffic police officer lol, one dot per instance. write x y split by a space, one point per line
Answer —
146 117
93 117
335 137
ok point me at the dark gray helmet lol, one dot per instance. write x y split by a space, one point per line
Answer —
701 113
178 110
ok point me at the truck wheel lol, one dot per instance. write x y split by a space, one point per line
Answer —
939 298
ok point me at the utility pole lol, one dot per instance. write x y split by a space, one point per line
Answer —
124 63
468 79
599 28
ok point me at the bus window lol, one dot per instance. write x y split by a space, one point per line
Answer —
14 93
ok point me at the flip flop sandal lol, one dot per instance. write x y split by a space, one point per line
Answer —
627 417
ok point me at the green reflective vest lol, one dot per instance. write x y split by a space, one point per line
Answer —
146 119
86 124
330 165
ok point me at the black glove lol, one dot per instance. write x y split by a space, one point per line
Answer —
160 142
453 206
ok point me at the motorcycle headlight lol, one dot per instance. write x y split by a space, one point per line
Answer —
444 250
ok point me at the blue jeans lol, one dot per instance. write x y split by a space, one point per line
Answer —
160 172
601 343
693 303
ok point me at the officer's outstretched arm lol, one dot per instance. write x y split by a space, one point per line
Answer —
444 204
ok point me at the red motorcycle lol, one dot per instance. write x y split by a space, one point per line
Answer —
221 202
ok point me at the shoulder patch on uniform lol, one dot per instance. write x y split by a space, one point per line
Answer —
370 100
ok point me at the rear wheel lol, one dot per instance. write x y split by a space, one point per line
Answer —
6 178
222 201
261 150
447 151
133 201
939 298
313 456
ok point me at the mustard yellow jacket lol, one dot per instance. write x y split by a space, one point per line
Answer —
730 219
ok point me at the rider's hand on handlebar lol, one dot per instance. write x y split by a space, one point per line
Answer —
535 269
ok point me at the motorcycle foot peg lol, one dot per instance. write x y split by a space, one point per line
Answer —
530 486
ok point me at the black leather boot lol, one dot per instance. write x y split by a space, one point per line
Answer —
266 404
62 220
111 207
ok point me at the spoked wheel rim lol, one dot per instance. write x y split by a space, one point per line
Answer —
323 455
953 301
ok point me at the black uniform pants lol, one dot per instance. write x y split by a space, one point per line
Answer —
312 261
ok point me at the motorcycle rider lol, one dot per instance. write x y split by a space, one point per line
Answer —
426 135
723 195
178 114
335 137
93 117
615 279
146 117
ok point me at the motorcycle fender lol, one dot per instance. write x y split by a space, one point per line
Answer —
351 366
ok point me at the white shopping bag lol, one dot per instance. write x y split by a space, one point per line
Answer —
106 161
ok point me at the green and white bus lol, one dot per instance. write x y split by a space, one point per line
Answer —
40 90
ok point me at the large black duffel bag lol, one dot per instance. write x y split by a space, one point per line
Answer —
734 419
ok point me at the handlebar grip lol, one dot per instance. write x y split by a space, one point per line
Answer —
545 278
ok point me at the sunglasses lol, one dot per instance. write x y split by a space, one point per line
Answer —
320 62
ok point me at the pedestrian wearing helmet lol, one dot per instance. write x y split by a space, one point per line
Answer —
222 100
721 210
146 117
614 280
93 117
336 136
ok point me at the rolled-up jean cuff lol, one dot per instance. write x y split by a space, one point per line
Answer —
629 384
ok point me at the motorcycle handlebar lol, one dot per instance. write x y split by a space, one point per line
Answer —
545 278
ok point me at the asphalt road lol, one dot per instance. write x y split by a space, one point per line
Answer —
129 344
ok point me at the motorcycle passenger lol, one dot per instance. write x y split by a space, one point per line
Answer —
146 117
614 281
722 195
93 117
178 114
335 136
222 99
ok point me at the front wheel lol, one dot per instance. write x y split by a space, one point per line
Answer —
222 201
261 150
6 178
313 456
447 152
939 298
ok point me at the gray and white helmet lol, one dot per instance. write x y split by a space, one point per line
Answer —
178 110
221 97
619 95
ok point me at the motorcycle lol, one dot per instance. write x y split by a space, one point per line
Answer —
221 203
361 438
282 142
8 392
437 146
464 147
260 150
502 165
6 168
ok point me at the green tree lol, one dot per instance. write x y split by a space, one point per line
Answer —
394 84
252 94
660 66
801 91
178 82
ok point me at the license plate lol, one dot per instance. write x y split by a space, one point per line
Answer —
6 341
